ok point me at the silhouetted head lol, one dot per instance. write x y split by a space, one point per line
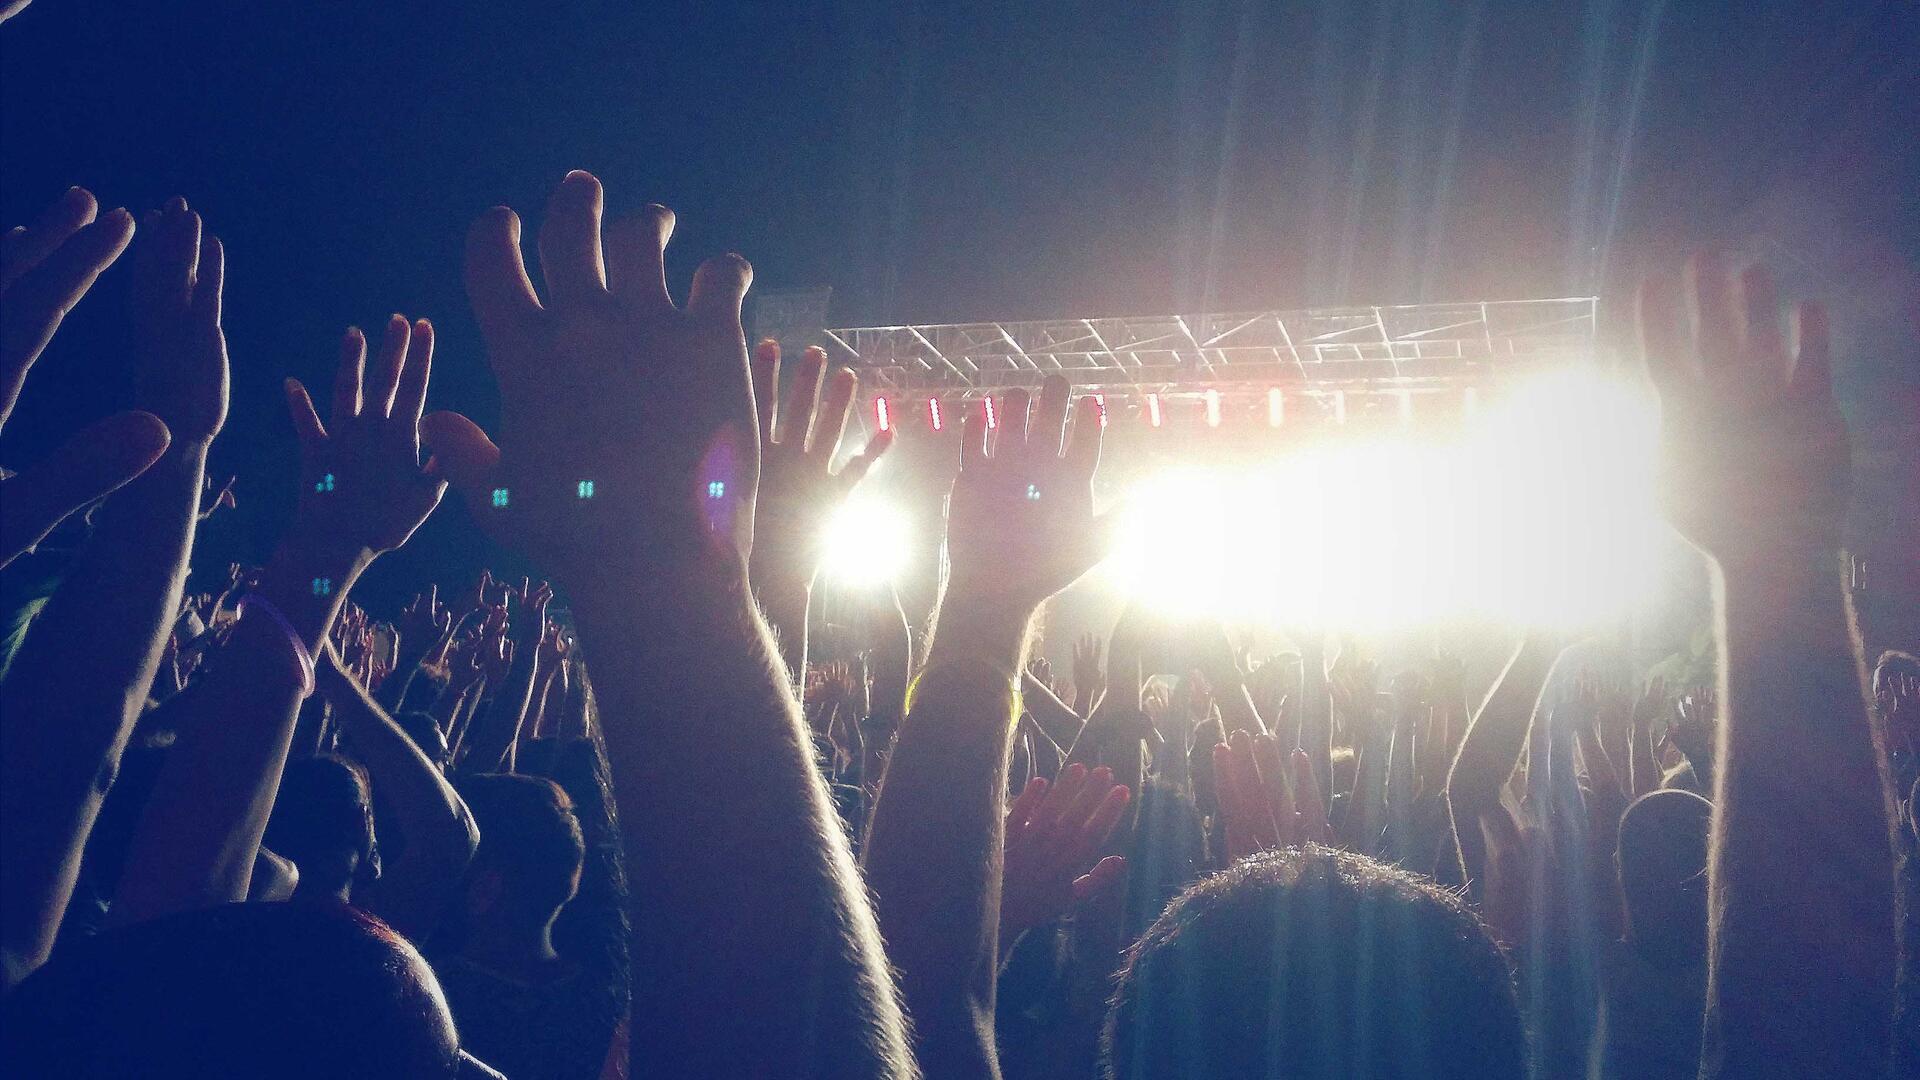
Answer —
323 821
531 850
425 732
1311 963
241 990
1663 874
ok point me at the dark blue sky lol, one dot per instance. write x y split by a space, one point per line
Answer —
955 161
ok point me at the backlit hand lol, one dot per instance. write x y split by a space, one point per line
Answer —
44 271
626 424
1020 522
1753 447
799 491
362 485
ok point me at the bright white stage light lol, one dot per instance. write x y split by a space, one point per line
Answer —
867 542
1540 513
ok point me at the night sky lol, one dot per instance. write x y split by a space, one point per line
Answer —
951 162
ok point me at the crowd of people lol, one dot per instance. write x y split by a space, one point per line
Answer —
624 821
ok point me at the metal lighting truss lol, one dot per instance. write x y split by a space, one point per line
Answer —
1403 349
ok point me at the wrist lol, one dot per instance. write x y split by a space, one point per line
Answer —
308 586
991 633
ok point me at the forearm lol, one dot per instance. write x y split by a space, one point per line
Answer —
1495 736
783 598
1316 711
440 831
494 741
933 855
196 840
77 685
753 846
1803 935
406 667
1056 721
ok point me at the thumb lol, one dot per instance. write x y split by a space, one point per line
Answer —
458 450
98 460
1104 874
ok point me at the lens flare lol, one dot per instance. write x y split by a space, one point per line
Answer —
868 542
1540 513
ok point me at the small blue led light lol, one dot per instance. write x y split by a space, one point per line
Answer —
717 489
499 498
322 586
324 484
584 489
1033 492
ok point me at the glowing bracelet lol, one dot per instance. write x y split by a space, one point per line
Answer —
300 652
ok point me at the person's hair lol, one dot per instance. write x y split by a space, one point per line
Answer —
425 732
323 821
239 990
531 838
1663 873
1309 963
1894 662
1166 850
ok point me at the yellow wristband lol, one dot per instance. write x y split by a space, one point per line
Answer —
1000 673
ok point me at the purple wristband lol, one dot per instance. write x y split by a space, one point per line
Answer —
300 653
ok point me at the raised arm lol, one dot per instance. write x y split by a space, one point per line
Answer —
363 492
1020 528
63 735
626 466
1491 747
414 890
799 491
1802 936
45 269
497 732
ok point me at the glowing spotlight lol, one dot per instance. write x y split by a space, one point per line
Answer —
1213 408
1100 408
882 414
934 419
993 418
866 543
1541 513
1276 407
1153 409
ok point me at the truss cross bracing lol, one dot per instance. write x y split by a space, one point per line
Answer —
1402 348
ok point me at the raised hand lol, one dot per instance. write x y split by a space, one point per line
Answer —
1753 447
1268 800
222 500
1054 834
1020 522
626 424
424 622
363 487
799 491
178 275
1087 671
44 271
555 647
1692 726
